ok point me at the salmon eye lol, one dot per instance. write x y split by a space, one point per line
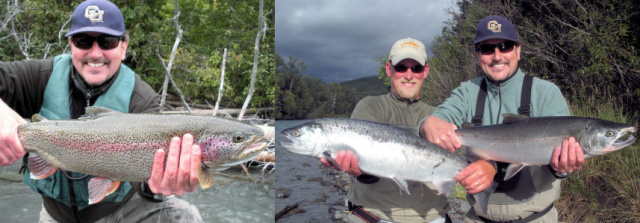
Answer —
238 138
296 133
609 134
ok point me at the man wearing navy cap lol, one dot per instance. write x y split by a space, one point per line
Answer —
529 195
61 88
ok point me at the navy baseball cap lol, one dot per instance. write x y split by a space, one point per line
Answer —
495 27
97 16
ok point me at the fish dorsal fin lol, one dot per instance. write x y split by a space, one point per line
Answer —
38 118
94 112
408 129
508 118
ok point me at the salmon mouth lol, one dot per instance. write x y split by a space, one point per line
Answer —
253 149
622 141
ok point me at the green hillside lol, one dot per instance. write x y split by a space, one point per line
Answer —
366 86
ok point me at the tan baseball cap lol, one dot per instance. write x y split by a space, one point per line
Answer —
408 48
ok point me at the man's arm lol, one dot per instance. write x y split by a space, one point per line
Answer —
22 84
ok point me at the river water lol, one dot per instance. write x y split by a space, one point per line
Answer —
232 198
316 190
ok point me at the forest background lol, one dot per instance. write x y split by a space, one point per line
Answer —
35 29
587 48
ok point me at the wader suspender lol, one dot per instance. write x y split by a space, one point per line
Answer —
525 97
524 109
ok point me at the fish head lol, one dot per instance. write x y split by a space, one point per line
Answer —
223 150
601 137
306 139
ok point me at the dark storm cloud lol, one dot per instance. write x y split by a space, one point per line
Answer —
340 40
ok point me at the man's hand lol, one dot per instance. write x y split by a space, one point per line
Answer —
441 133
180 174
10 146
477 176
347 161
569 158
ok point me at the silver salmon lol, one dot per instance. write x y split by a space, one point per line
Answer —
117 146
382 150
524 141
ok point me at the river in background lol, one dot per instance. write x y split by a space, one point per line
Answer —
232 198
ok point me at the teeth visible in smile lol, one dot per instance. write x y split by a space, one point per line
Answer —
498 65
95 64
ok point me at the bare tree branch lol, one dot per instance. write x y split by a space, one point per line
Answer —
256 49
224 62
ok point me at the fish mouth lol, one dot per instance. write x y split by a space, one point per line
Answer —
622 142
253 149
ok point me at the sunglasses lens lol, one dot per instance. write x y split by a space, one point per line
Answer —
417 69
105 42
506 46
108 42
400 68
83 41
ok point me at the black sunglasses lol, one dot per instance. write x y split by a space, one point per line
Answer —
105 42
488 49
402 68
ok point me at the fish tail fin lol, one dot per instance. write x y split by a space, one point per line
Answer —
205 177
100 187
445 187
482 198
402 185
39 168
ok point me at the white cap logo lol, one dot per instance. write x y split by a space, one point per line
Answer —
494 26
93 13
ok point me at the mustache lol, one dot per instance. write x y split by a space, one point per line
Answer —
99 60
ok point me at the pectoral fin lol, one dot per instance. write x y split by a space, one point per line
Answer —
39 168
205 177
402 184
512 170
327 156
482 198
100 187
445 187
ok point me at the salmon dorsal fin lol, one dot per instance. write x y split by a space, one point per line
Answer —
511 118
94 112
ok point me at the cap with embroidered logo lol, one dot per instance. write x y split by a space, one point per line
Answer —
495 27
408 49
97 16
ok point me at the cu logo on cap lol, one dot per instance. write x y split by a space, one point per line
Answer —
93 13
494 26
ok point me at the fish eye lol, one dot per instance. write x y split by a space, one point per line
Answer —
609 134
296 133
238 138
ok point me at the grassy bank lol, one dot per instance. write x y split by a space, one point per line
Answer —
607 189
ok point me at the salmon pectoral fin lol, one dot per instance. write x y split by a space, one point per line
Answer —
39 168
100 187
205 177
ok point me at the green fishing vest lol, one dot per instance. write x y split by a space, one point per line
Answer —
56 105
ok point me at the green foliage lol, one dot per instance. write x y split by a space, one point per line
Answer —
590 50
300 96
584 47
208 27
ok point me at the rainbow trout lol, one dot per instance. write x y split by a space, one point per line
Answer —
120 147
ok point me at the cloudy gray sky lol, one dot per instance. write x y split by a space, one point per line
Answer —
340 40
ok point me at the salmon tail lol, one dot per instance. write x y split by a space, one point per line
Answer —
39 168
205 177
100 187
